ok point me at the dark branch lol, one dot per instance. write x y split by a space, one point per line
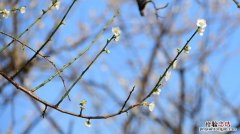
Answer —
237 3
142 4
124 104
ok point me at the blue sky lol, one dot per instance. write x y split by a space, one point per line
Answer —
117 60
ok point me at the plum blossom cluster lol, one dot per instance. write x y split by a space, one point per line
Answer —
6 13
116 32
201 23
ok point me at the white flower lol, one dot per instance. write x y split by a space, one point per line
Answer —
22 9
168 75
174 64
88 123
201 23
187 49
57 4
157 91
116 32
5 13
151 106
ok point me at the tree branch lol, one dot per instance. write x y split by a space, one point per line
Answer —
31 94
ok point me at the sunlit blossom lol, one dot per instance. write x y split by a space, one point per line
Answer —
5 13
201 23
116 32
151 106
22 9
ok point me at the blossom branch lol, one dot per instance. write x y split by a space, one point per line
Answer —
170 65
124 104
79 55
31 94
80 77
28 28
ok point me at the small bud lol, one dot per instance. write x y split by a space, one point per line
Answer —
156 91
178 50
63 23
88 123
145 103
187 49
83 103
107 51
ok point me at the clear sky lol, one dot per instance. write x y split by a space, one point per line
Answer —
143 41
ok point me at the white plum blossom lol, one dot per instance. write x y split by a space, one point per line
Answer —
157 91
116 32
168 75
5 13
22 9
201 23
187 49
57 5
151 106
88 123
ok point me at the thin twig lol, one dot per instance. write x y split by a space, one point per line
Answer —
156 8
44 111
170 65
237 3
15 39
79 55
45 57
85 70
124 104
28 28
46 42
